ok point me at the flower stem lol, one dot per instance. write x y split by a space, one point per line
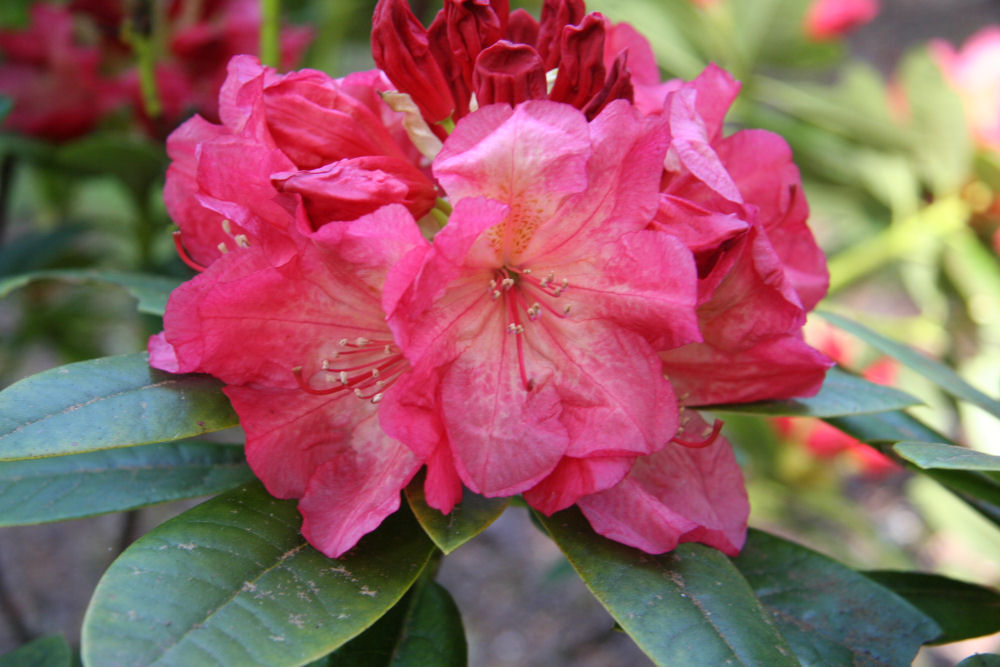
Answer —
270 27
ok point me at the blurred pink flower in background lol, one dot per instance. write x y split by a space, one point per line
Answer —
974 72
831 19
54 82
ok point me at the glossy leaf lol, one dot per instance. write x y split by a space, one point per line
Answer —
69 487
232 582
961 609
466 520
829 613
150 290
107 403
425 628
933 370
687 607
930 455
52 651
842 394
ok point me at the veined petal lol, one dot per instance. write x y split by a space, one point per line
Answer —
574 478
679 494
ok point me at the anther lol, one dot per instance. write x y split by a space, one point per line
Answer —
361 341
357 392
374 372
242 241
342 342
566 309
507 283
495 295
535 311
493 285
222 248
343 378
376 398
325 365
515 328
227 227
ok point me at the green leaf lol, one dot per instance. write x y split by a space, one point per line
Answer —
842 394
70 487
52 651
232 582
107 403
138 164
961 609
6 103
828 613
687 607
981 660
936 456
887 428
470 517
425 628
933 370
151 291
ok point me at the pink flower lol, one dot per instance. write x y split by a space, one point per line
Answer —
324 149
53 81
737 202
306 355
831 19
533 324
975 73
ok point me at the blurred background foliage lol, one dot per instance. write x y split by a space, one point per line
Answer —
904 201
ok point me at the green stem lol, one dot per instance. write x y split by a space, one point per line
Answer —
939 219
270 28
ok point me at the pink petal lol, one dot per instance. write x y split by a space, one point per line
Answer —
574 478
677 495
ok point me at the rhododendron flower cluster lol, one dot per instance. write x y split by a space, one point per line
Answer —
830 19
513 257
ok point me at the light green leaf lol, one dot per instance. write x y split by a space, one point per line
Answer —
151 291
933 370
70 487
107 403
232 582
52 651
425 628
842 394
828 613
687 607
466 520
961 609
937 456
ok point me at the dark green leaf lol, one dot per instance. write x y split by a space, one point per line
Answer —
36 250
52 651
981 660
69 487
6 103
828 613
138 164
425 628
686 607
929 455
151 290
466 520
232 582
107 403
933 370
961 609
842 394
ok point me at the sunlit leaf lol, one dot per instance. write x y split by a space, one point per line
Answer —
842 394
466 520
106 403
52 651
687 607
232 582
828 613
937 456
150 290
961 609
933 370
69 487
425 628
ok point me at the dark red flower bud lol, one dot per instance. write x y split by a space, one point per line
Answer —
556 14
522 28
473 25
617 86
510 73
581 63
401 50
461 92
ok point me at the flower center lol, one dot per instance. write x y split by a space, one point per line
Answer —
362 366
525 298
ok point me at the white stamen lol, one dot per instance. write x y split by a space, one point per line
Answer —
343 378
374 372
507 283
325 365
357 392
342 342
227 227
495 295
376 398
535 311
242 241
222 248
361 341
